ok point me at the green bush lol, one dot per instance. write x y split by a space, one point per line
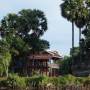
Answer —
65 65
70 80
64 80
45 81
54 81
80 80
22 82
14 80
3 81
86 81
34 81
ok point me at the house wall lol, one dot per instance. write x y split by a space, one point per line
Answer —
40 66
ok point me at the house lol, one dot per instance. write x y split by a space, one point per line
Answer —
44 63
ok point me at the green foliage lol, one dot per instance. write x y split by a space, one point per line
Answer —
34 81
14 80
25 21
87 81
76 51
80 80
3 81
70 79
75 10
22 82
6 62
38 44
65 65
21 34
5 58
54 81
50 81
45 80
63 80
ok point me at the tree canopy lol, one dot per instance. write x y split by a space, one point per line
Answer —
21 34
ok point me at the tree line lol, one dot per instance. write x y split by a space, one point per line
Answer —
78 13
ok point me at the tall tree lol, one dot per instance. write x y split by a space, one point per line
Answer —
68 11
76 12
81 18
23 31
25 22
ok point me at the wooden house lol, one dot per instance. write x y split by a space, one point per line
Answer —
44 63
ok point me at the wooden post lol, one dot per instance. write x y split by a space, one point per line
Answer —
46 66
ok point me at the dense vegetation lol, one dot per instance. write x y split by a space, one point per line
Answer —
78 13
15 81
21 35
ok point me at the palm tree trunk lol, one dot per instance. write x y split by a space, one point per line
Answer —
79 42
79 35
72 46
72 38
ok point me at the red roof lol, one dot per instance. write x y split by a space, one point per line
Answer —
45 55
37 56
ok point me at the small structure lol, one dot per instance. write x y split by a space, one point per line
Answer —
44 63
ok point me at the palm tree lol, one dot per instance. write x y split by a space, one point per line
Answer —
75 12
81 14
68 11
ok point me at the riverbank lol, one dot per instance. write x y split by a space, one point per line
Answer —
15 82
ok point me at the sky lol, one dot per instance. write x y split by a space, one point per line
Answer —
59 29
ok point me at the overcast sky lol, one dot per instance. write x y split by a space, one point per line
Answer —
59 29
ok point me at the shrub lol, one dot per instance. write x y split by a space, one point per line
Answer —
45 81
86 81
62 81
22 82
3 81
65 65
70 80
80 80
34 81
54 81
15 81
